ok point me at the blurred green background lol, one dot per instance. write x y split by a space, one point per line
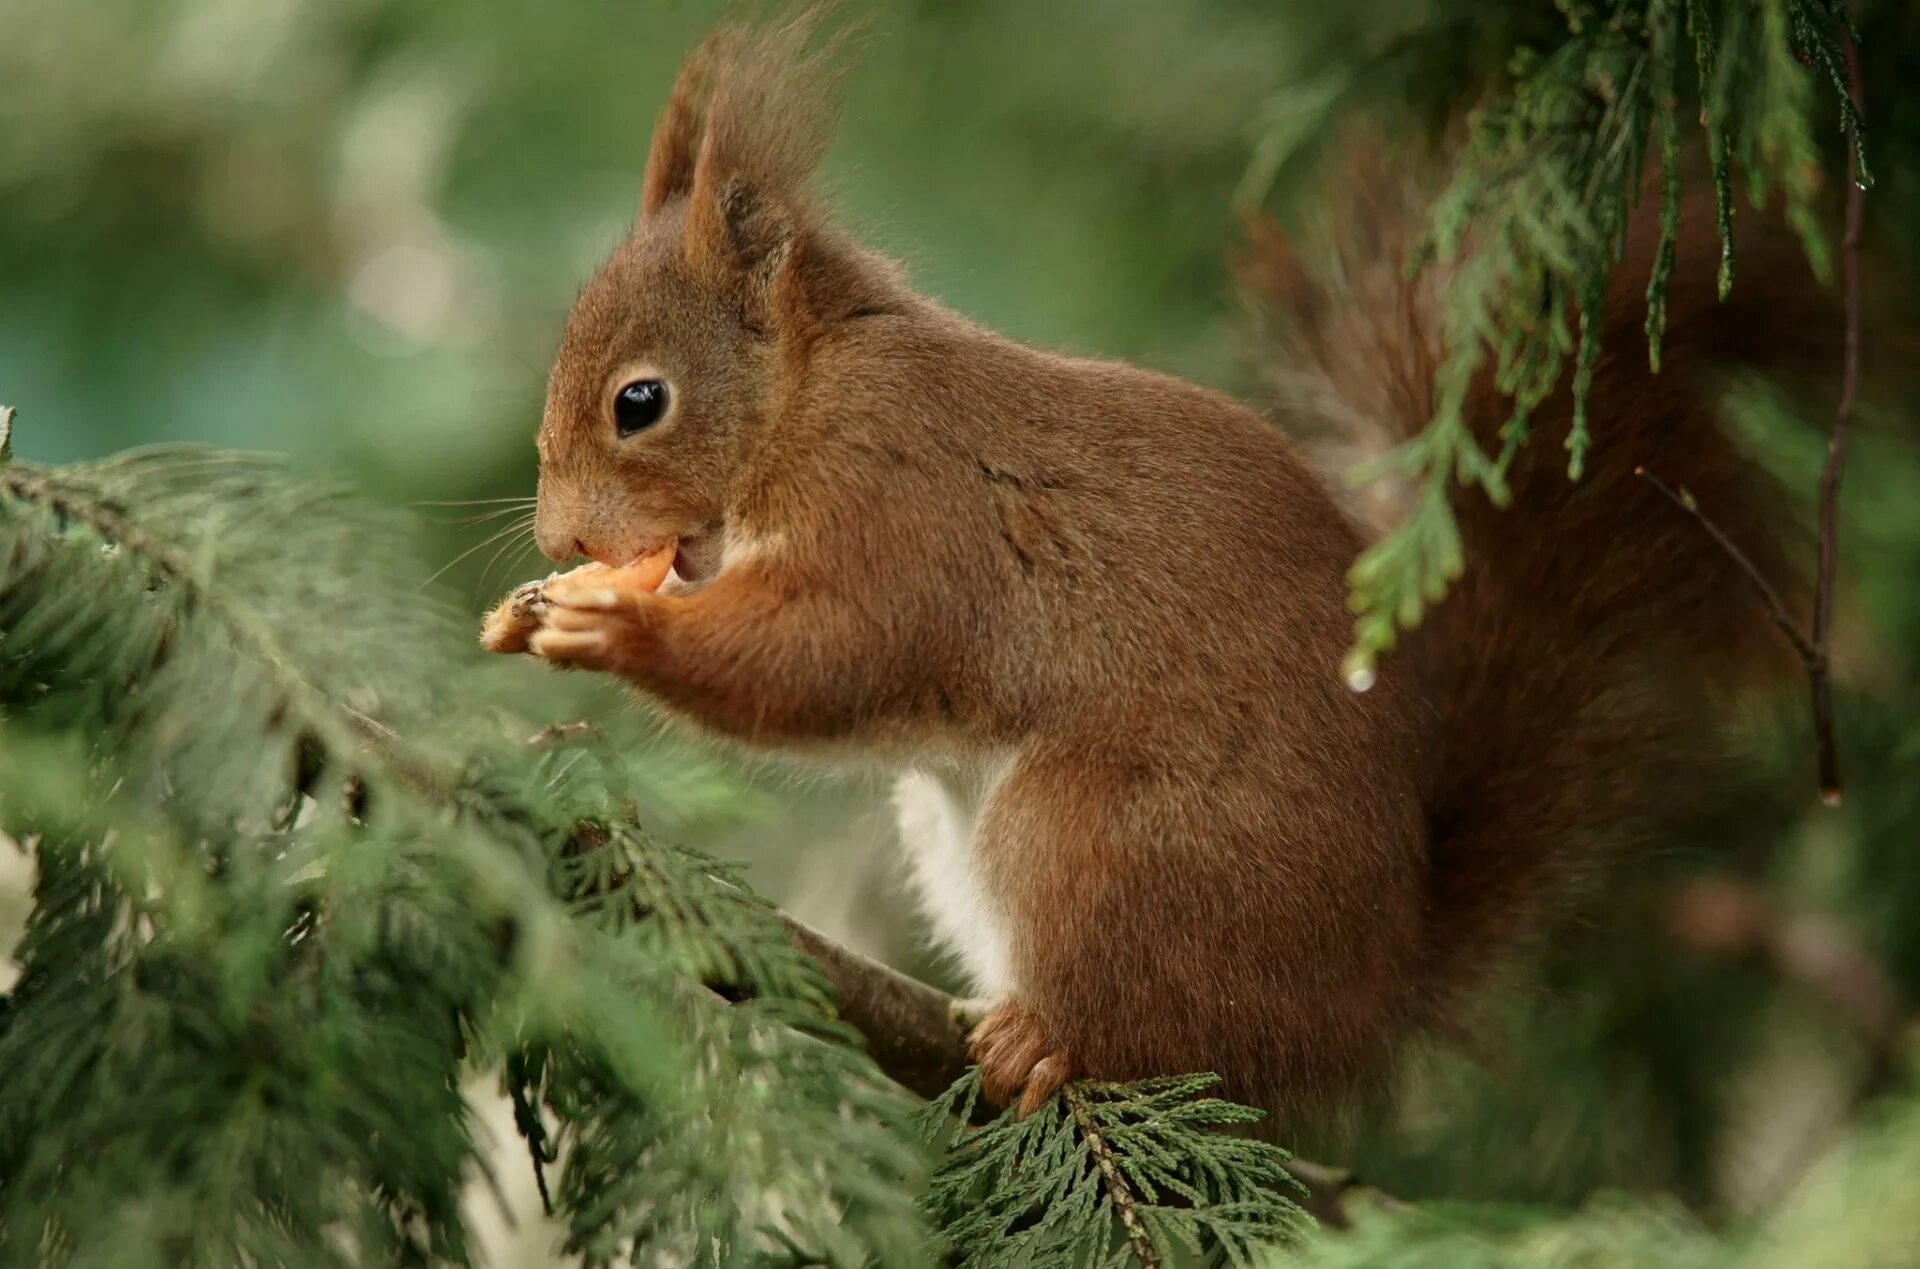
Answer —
349 230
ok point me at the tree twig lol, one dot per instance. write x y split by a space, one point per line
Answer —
1837 447
1814 647
1124 1202
1776 606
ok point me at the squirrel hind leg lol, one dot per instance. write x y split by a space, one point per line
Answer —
1162 929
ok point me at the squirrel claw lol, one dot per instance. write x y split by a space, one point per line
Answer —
514 620
576 619
1050 1074
1018 1058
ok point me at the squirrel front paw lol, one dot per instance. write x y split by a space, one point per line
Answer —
571 618
1018 1057
594 618
510 626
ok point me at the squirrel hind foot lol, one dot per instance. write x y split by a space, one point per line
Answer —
1018 1058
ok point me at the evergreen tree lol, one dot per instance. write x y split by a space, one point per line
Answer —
303 870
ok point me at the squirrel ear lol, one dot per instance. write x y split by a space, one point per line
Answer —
761 105
676 137
742 234
737 227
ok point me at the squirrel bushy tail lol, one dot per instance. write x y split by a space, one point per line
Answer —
1574 672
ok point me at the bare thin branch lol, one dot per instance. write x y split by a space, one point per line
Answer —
1837 452
1776 606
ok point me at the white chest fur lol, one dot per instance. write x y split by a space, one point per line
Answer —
938 808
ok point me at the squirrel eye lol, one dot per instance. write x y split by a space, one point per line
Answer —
639 405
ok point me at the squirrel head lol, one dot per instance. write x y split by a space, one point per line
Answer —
677 352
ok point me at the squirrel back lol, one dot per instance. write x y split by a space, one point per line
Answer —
1575 674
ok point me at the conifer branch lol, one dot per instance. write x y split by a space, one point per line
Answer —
917 1034
1125 1206
340 726
1814 646
187 702
1534 223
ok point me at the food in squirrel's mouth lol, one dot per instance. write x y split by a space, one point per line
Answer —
511 625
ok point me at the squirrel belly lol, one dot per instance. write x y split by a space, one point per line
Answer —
937 809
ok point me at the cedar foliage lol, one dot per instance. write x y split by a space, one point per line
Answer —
1110 1175
1535 218
299 877
293 883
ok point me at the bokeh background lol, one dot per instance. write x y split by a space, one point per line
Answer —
348 231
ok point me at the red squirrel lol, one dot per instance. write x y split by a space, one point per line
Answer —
1096 615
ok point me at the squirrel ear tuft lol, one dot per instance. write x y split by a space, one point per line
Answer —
737 225
676 137
762 103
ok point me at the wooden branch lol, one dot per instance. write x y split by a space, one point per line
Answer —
917 1034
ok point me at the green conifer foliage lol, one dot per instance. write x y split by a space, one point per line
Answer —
296 877
300 877
1111 1175
1551 173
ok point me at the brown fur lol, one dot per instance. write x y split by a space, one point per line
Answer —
1210 853
1575 671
